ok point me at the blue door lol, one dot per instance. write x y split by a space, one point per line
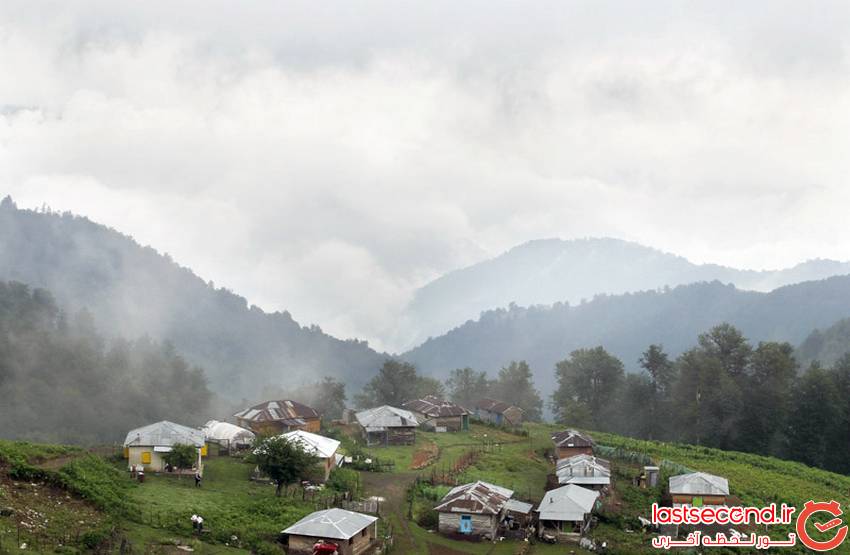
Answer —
465 524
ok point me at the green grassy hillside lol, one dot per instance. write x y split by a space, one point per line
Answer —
80 500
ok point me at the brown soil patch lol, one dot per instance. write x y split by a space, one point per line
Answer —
425 456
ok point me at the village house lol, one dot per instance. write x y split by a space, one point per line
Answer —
584 470
145 447
225 437
698 489
352 533
324 448
564 514
499 413
277 417
572 442
473 510
439 415
386 425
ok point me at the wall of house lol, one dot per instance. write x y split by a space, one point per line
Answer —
393 436
567 452
449 523
512 416
706 499
135 455
303 545
450 423
272 428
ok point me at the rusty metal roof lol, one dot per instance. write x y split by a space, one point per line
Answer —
477 498
492 405
277 411
435 407
572 438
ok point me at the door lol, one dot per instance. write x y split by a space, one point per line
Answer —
465 524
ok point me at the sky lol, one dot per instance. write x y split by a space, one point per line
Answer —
330 158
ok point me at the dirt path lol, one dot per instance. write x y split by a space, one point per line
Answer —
393 488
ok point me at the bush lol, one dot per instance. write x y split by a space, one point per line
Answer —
344 480
94 538
429 519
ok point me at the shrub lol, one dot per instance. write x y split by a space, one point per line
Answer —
344 480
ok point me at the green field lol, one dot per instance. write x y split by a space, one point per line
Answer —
81 499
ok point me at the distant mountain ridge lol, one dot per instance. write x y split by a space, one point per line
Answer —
627 324
549 271
133 290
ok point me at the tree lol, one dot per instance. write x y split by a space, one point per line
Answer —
466 386
660 368
283 461
728 345
427 385
181 456
815 412
588 383
329 398
515 386
395 383
657 404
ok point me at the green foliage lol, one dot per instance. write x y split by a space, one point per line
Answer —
345 480
181 456
585 383
61 381
92 478
283 461
466 386
515 386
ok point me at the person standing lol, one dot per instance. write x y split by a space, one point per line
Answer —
197 479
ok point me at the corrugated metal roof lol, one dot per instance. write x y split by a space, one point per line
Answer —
225 431
518 506
274 411
583 470
320 446
493 405
332 524
380 418
435 407
476 497
568 503
699 483
572 438
164 434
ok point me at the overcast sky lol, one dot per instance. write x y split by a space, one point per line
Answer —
328 158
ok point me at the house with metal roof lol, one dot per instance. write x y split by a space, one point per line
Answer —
438 414
227 436
584 470
572 442
564 513
276 417
698 489
323 448
498 413
473 510
352 533
145 447
386 425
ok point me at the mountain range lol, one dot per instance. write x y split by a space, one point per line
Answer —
549 271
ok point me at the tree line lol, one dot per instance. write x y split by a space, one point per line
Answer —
723 392
61 381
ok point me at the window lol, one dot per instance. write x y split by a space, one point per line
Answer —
363 532
697 502
465 524
146 457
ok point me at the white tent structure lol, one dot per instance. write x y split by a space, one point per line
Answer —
227 435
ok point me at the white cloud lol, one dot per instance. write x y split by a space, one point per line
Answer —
329 161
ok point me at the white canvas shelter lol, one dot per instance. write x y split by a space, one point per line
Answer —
569 503
227 433
334 524
320 446
699 483
164 434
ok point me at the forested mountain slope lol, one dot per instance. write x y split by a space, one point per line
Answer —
554 270
627 324
826 345
133 290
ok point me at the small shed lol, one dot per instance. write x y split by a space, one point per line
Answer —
352 533
517 514
564 513
227 436
698 489
473 510
438 414
572 442
324 448
386 425
276 417
499 413
584 470
145 447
